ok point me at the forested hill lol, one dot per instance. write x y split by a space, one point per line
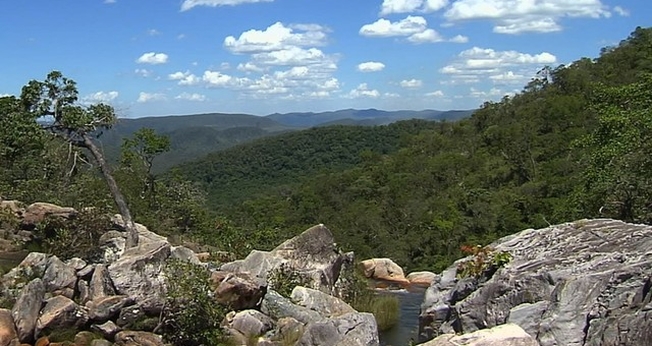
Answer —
575 143
279 163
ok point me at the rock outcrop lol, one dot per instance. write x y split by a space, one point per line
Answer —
383 269
503 335
587 282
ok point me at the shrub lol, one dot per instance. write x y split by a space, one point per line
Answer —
284 279
484 261
384 307
191 316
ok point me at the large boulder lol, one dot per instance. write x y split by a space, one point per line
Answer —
37 212
325 304
581 283
8 334
251 323
26 309
139 274
59 276
503 335
238 291
313 254
144 234
352 329
60 313
421 278
383 269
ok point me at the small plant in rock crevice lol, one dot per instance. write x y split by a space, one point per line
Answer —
484 261
283 279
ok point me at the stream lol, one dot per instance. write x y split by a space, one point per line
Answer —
408 326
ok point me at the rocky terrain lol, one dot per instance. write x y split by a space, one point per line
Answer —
118 299
585 283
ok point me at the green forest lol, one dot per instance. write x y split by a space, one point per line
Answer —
573 144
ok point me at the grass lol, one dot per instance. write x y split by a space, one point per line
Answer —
384 307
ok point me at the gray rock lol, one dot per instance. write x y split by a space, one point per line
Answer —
108 329
8 335
31 267
144 234
353 329
326 305
76 263
276 306
86 272
503 335
139 274
58 275
112 246
101 284
101 342
60 312
185 254
238 290
251 323
581 283
130 315
83 292
26 309
312 253
132 338
104 308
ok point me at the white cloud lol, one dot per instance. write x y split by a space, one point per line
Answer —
184 78
100 97
181 36
191 97
216 79
153 32
459 39
410 6
426 36
149 97
371 66
412 83
109 1
405 27
143 72
436 93
515 16
493 92
501 67
621 11
277 37
188 4
363 90
153 58
249 67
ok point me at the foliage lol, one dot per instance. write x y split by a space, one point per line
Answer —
191 316
283 279
77 237
484 261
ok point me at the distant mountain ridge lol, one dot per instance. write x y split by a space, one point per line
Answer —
196 135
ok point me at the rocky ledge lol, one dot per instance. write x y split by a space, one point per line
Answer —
582 283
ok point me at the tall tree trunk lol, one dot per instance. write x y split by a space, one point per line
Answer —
123 208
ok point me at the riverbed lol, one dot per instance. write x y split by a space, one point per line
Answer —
408 326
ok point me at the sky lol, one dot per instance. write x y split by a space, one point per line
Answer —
164 57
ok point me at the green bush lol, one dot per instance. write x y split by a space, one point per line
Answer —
384 307
284 279
484 261
191 316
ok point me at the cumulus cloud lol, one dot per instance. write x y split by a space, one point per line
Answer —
109 1
436 93
153 58
621 11
153 32
501 67
249 67
143 72
371 66
184 78
191 97
363 90
189 4
459 39
414 28
410 6
100 97
515 17
277 37
144 97
412 83
426 36
490 94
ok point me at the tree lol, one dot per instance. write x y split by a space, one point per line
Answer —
54 102
138 154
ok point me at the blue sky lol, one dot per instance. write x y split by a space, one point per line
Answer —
161 57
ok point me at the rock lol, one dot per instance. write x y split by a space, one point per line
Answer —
42 341
352 329
26 309
112 246
58 275
108 329
84 338
38 212
326 305
8 334
503 335
131 338
580 283
251 323
312 253
144 235
60 312
421 278
383 269
289 330
86 272
13 206
76 263
184 254
238 291
101 342
130 315
31 267
104 308
83 292
276 306
204 256
139 274
101 284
